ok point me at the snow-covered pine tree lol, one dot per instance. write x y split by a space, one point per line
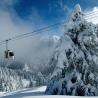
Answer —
40 80
76 59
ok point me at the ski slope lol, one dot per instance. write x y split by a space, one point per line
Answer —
34 93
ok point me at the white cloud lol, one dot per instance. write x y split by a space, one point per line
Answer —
92 15
31 49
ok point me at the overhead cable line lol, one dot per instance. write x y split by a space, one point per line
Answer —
37 31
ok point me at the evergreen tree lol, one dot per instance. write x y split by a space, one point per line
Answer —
76 67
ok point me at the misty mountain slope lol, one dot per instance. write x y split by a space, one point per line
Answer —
76 59
30 54
46 45
16 74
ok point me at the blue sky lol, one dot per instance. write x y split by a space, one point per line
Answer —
40 13
44 11
49 10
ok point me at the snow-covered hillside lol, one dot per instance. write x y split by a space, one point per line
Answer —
25 93
18 75
34 93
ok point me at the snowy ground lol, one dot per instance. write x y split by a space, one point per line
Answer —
34 93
